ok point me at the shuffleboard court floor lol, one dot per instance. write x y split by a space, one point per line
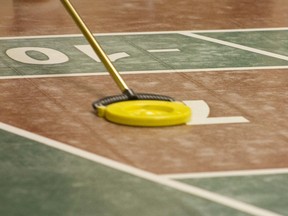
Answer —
58 158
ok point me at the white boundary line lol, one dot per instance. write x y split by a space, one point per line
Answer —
256 172
146 72
149 33
243 207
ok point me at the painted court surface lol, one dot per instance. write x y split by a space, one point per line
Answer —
58 158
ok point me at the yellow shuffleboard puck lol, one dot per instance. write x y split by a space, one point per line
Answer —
147 113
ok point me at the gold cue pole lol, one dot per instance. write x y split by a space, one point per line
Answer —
95 45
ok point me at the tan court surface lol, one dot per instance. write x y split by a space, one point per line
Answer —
229 58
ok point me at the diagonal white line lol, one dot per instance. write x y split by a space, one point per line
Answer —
243 207
238 46
227 173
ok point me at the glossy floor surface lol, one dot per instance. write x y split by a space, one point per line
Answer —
227 60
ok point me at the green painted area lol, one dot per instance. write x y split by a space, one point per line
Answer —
192 53
38 180
265 191
199 54
272 41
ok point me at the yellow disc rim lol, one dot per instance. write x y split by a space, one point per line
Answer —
148 113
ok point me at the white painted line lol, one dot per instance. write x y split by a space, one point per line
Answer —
149 33
53 75
239 30
238 46
227 173
163 50
243 207
201 111
232 69
218 120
